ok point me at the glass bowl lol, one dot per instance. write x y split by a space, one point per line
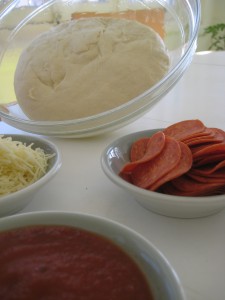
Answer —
176 21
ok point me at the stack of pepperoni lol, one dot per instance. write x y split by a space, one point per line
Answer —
185 159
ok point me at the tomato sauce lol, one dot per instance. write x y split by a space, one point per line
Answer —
66 263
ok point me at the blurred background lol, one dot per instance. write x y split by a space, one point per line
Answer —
212 30
212 19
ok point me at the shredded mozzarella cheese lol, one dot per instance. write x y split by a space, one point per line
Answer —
20 165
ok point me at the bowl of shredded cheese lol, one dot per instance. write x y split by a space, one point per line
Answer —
27 163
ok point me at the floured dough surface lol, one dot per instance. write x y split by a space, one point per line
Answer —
88 66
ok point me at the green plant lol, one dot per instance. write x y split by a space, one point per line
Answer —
217 34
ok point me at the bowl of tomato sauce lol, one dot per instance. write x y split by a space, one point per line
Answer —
62 255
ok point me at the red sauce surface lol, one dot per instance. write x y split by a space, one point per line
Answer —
60 262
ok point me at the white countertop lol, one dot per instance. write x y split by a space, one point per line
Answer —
194 247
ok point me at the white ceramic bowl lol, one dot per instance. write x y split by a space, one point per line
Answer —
159 273
116 155
19 24
16 201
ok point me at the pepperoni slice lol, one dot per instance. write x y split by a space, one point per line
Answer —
209 150
200 142
218 134
218 130
206 134
126 177
217 138
138 149
189 187
146 174
207 179
202 190
209 160
212 168
169 189
154 146
220 173
184 129
182 167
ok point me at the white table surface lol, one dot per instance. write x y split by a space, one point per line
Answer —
194 247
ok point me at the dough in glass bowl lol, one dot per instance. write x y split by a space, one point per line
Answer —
87 66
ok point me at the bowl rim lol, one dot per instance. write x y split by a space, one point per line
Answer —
217 199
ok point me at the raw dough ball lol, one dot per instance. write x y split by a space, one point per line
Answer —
88 66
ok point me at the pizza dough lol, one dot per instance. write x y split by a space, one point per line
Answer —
87 66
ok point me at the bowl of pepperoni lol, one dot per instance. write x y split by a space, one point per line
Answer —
62 255
178 171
